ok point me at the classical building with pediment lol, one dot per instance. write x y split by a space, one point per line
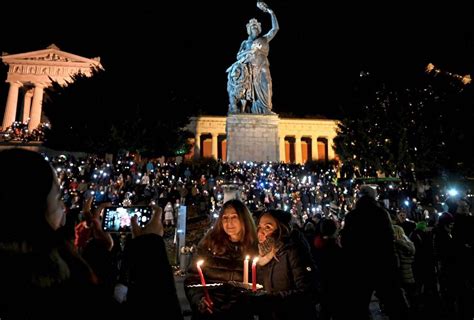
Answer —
30 72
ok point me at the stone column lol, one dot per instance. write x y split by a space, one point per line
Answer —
10 108
36 108
197 146
331 154
298 157
314 148
27 105
214 149
282 149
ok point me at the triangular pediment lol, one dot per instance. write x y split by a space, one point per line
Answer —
50 54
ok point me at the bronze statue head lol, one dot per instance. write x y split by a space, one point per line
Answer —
254 23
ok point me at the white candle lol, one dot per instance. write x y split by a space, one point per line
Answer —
246 270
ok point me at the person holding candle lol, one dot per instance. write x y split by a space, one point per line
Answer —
286 270
223 251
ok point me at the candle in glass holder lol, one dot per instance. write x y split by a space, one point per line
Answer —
254 274
246 270
203 281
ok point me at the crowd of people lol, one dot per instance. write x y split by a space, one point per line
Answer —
18 131
325 246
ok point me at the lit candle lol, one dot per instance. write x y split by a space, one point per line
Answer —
254 274
246 270
203 281
198 265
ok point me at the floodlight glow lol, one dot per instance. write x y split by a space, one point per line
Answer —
453 192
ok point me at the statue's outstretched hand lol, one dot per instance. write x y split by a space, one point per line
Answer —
263 6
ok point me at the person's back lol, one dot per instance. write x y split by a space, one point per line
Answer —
367 241
367 237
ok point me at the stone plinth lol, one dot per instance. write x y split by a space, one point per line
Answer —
252 137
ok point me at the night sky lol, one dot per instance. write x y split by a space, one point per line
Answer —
315 58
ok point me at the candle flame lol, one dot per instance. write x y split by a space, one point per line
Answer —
247 257
199 263
255 260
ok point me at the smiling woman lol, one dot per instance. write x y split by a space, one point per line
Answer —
223 251
286 270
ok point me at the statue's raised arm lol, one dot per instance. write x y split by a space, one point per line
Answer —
273 31
249 83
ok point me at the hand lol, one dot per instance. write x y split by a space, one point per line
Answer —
205 306
263 6
155 226
101 235
93 221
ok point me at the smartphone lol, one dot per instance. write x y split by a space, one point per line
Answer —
117 219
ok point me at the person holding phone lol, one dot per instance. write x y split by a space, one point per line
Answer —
41 276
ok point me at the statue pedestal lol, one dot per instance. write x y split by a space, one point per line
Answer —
231 191
252 137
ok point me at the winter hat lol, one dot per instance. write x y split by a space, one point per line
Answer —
366 190
422 225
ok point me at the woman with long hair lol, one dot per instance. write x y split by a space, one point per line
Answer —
223 250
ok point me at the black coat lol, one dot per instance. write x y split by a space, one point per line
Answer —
57 284
151 285
291 281
367 240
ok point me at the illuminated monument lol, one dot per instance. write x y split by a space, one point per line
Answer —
252 126
30 72
252 131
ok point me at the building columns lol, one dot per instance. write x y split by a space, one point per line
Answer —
197 146
282 149
298 156
215 139
10 109
36 108
331 154
314 148
27 105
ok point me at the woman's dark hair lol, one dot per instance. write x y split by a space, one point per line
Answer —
26 180
283 219
218 241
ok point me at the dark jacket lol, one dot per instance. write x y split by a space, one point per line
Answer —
217 269
55 283
151 282
291 281
367 240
